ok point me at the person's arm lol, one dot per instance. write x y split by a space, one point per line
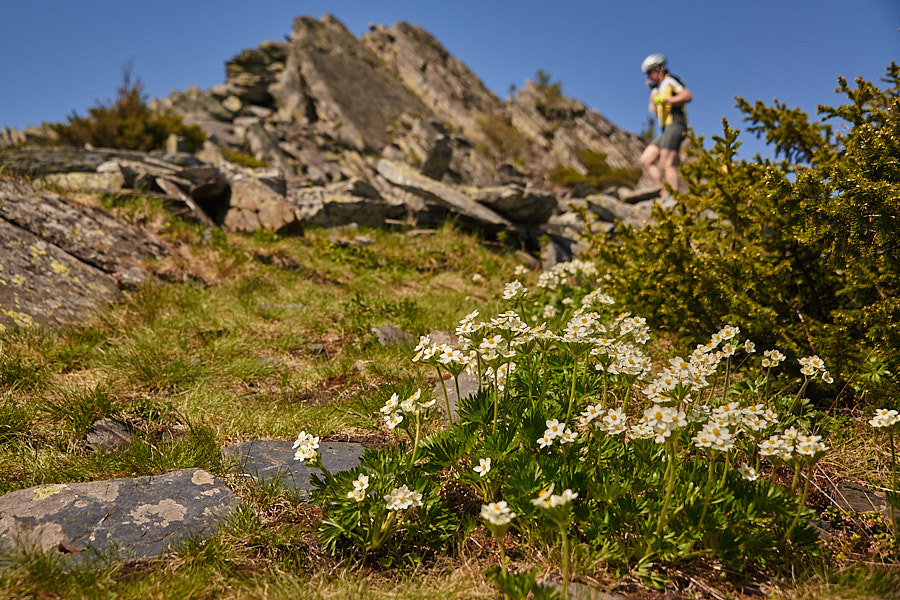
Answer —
680 99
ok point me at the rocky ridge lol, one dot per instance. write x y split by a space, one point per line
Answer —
389 129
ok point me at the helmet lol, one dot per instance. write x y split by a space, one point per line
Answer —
653 61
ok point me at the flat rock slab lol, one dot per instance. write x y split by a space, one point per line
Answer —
264 460
129 518
852 497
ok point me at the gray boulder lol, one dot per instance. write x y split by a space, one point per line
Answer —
342 203
265 460
254 205
443 195
89 234
141 517
518 203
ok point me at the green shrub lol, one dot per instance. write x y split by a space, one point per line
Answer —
242 159
502 138
552 90
801 253
128 123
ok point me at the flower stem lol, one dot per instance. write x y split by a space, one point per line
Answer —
565 561
572 391
725 470
415 448
799 395
670 484
707 493
894 523
800 506
384 531
446 396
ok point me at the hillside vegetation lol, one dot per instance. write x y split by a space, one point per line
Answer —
667 416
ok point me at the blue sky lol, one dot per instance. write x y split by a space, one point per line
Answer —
59 56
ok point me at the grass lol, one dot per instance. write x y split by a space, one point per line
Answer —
258 337
244 337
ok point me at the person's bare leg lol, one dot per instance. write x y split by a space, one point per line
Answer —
649 158
668 160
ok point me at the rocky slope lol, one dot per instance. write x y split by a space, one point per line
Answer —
386 129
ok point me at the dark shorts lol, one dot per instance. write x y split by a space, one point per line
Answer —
671 137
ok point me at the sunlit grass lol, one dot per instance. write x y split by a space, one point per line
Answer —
247 337
257 337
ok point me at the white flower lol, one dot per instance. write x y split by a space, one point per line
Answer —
393 419
513 289
360 485
544 441
568 436
477 277
543 497
810 445
484 466
591 412
305 446
391 405
615 428
497 513
772 358
402 498
748 472
884 418
566 497
554 429
547 499
772 446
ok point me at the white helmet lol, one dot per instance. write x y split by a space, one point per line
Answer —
653 61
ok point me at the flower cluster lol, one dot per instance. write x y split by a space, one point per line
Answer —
715 437
513 290
393 410
658 422
793 444
306 446
402 498
546 499
360 485
561 272
497 513
556 430
884 418
811 366
772 358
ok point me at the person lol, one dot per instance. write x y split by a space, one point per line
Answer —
668 95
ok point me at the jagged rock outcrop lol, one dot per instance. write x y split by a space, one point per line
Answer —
389 128
443 83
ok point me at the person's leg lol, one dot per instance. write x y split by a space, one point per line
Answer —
648 160
668 160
